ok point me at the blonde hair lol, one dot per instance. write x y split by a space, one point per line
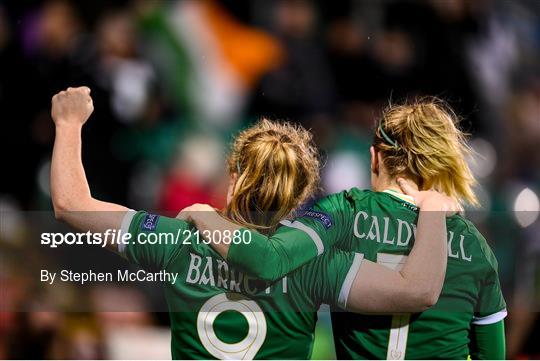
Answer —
278 168
422 140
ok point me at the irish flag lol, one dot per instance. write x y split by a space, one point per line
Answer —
209 60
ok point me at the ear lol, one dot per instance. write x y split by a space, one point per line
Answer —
232 185
232 181
374 160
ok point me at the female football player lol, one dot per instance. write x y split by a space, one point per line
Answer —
419 142
216 310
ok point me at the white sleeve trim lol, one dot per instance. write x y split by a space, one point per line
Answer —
124 228
490 319
310 232
349 279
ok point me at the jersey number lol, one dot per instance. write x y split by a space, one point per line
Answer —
244 349
399 330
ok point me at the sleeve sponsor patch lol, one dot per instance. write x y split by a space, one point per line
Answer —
149 222
323 218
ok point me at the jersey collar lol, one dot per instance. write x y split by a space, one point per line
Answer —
403 197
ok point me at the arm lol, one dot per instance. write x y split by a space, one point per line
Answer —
488 342
347 280
292 245
71 197
487 326
207 219
270 257
417 286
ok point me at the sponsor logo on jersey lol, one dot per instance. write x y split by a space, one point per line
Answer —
150 222
323 218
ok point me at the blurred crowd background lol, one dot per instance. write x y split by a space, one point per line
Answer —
173 81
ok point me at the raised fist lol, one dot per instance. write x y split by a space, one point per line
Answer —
73 105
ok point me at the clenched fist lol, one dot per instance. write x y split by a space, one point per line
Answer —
72 106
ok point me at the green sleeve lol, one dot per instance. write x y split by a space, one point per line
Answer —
490 304
329 278
487 328
488 342
295 242
145 246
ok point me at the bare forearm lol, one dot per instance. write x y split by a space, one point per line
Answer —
425 268
69 187
70 191
416 287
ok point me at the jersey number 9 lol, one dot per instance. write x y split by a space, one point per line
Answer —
244 349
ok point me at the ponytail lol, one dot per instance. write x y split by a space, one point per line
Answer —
277 167
427 145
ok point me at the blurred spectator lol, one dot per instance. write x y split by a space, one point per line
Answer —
522 129
33 335
128 77
78 338
302 85
197 175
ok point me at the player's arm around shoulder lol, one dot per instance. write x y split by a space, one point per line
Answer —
418 285
293 243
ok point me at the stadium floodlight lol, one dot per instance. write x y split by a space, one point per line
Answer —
526 207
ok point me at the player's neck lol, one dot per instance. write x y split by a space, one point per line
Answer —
386 183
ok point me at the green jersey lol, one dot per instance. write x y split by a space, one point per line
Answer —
217 311
382 227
